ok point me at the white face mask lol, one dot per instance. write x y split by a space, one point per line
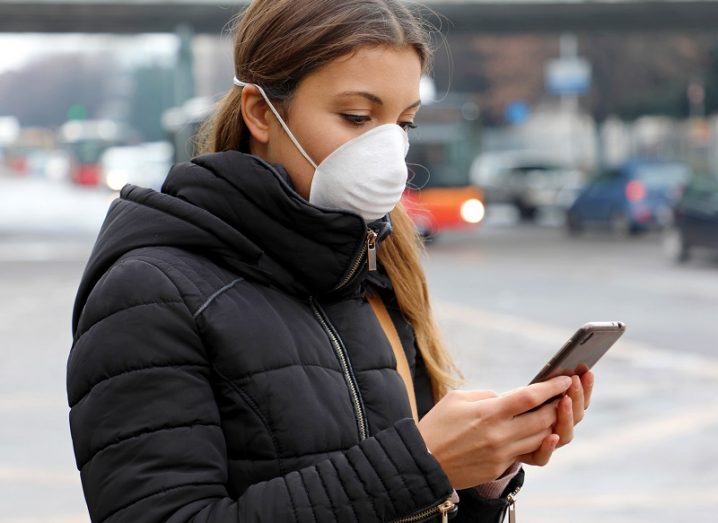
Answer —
366 175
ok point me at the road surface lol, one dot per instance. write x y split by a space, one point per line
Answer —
506 295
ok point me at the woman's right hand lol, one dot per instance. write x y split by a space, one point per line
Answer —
476 435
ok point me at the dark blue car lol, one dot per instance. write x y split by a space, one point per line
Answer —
634 197
696 219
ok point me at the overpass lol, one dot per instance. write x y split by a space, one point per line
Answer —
486 16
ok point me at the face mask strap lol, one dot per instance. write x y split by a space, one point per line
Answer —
241 83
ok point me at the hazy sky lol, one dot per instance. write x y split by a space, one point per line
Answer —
15 50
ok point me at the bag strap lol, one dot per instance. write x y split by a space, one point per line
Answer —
402 365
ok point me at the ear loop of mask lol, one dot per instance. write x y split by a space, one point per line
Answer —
240 83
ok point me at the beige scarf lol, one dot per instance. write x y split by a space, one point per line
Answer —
402 365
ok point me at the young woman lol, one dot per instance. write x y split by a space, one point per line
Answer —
229 361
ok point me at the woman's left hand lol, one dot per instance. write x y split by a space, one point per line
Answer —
570 412
572 407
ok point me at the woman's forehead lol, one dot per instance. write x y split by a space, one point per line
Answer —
390 74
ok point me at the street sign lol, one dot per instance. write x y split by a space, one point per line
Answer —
517 112
570 75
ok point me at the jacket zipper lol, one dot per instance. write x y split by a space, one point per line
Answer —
369 247
369 243
340 351
511 498
442 508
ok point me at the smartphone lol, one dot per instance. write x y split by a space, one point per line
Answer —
581 352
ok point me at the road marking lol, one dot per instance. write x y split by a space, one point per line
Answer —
681 496
636 353
68 518
22 401
44 251
590 450
40 477
621 440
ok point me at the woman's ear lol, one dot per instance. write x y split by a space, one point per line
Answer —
256 113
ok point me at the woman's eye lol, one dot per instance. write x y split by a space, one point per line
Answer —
360 119
356 119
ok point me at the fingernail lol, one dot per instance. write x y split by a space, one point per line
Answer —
567 381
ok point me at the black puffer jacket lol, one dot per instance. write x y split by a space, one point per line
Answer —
226 366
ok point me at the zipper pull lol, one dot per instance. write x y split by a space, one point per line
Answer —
511 498
445 508
371 249
512 512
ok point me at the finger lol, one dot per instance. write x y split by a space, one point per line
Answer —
541 456
526 398
476 395
528 444
564 423
530 423
575 392
587 380
544 453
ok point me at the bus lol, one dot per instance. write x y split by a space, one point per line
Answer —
441 195
85 141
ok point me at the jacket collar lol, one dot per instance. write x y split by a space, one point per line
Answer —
306 249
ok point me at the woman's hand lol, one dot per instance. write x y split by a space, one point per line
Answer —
572 407
476 435
570 412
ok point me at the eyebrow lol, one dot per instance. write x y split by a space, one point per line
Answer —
374 98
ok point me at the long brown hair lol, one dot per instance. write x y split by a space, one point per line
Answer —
276 44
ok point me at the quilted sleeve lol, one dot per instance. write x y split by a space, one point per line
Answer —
146 428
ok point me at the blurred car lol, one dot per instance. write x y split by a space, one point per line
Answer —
530 181
27 154
145 165
695 219
638 195
58 166
438 209
51 164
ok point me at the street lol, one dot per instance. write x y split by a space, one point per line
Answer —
507 296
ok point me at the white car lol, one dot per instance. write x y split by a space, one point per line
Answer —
528 180
145 165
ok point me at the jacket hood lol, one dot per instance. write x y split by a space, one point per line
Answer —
243 213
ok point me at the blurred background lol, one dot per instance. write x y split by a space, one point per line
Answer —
564 170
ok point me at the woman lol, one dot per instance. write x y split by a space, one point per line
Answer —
227 364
